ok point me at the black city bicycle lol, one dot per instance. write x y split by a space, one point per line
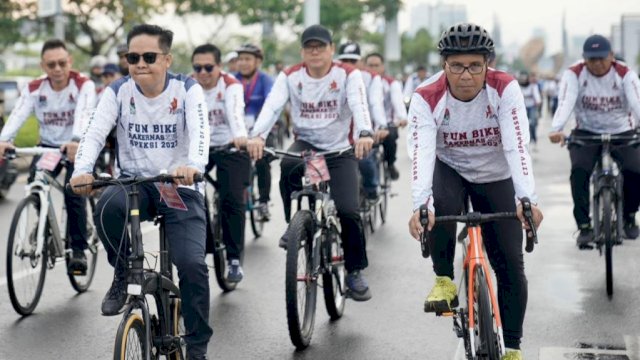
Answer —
148 329
38 236
314 250
608 197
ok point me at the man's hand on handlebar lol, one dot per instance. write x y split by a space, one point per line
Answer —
4 146
415 226
557 137
255 147
82 180
380 135
240 142
187 173
536 216
70 149
363 146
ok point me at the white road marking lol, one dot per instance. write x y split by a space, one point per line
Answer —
554 353
633 347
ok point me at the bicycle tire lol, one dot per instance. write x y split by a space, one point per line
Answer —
384 185
27 305
81 283
334 277
607 232
220 250
177 329
130 341
301 302
488 344
255 216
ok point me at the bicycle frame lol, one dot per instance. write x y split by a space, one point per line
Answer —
607 176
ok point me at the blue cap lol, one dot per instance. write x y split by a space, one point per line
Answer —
110 69
596 46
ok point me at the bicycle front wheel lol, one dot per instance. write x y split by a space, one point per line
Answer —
81 283
300 284
385 185
178 329
130 339
608 236
26 269
255 214
486 334
333 279
219 251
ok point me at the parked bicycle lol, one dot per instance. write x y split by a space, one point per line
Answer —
148 329
478 320
607 195
38 237
314 250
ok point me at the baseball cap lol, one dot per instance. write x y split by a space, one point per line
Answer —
349 51
230 56
110 69
122 49
316 32
596 46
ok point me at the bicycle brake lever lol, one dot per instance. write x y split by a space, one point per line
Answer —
532 236
424 244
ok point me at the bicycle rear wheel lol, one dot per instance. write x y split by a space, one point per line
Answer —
130 339
26 269
300 284
255 214
333 279
220 250
81 283
178 329
487 343
608 236
385 185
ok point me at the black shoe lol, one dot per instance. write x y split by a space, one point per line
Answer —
393 172
197 357
585 237
77 263
631 230
283 242
265 215
116 297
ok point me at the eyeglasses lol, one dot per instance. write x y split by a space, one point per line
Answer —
474 69
148 57
52 64
311 48
208 68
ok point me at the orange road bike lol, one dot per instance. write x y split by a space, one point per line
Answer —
478 321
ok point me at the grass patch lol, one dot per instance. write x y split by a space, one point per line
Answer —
29 134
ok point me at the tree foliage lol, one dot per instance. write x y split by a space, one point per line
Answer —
416 49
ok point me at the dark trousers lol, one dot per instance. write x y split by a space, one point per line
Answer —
232 173
583 160
369 173
76 206
185 232
263 172
344 192
391 145
532 115
502 239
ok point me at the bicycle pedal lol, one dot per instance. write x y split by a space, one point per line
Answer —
446 314
78 272
586 247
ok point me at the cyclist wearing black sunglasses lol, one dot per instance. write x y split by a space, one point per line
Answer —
225 102
469 136
62 103
160 121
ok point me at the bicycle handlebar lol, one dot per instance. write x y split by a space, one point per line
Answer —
104 182
593 140
302 154
476 218
11 154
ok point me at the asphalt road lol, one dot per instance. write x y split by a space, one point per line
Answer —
569 315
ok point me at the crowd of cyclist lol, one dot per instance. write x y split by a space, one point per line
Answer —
470 130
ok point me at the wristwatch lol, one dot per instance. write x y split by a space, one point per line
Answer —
365 133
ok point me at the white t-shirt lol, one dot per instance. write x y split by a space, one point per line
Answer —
394 107
484 140
225 102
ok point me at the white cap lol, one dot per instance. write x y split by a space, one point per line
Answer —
230 56
98 61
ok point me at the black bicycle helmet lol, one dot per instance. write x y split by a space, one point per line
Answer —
250 49
465 38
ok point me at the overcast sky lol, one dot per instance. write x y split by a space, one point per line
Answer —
519 18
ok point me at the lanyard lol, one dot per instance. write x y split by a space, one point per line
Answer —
248 91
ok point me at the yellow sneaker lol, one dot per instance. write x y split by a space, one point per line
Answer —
512 355
443 297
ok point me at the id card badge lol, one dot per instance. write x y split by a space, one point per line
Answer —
49 160
169 194
249 121
316 169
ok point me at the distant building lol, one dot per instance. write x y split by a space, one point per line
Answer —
630 40
436 18
616 38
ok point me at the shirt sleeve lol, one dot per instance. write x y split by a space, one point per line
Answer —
631 85
196 114
272 107
84 107
536 95
357 99
408 88
514 129
20 113
100 123
397 101
567 96
421 144
267 85
376 105
234 103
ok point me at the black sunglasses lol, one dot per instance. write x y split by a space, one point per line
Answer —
148 57
208 68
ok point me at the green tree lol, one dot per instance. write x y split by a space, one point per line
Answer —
15 16
416 49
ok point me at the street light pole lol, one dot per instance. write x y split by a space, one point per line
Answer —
311 12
